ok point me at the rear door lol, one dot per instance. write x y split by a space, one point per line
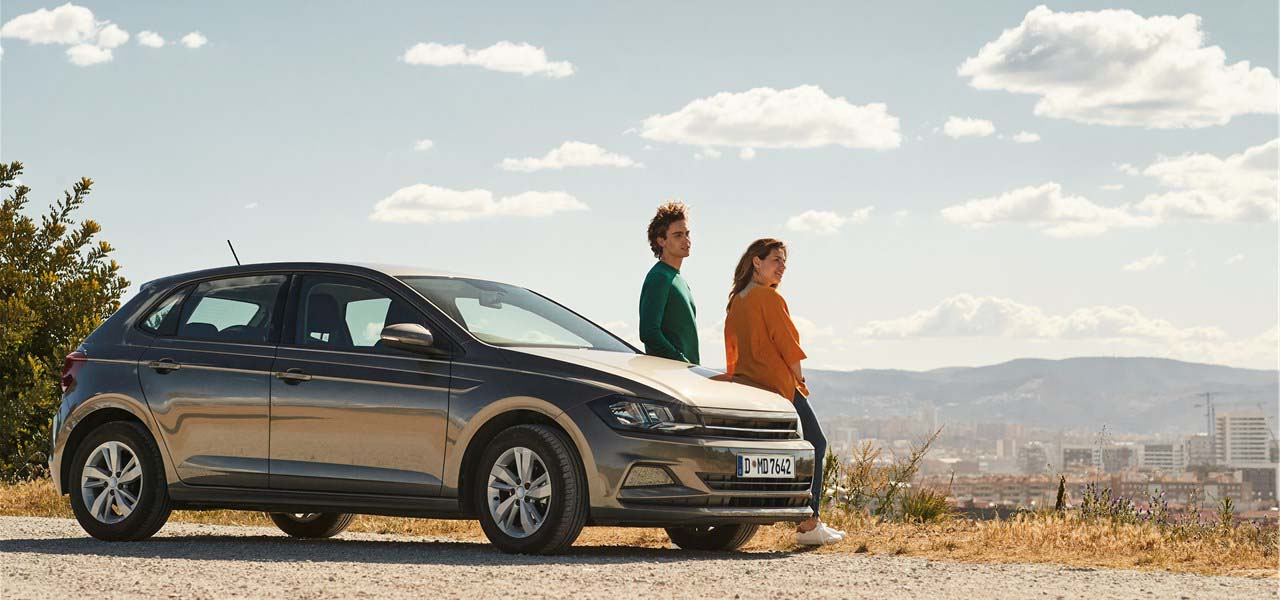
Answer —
349 414
207 378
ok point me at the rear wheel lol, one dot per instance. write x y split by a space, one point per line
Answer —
118 489
719 537
530 491
312 525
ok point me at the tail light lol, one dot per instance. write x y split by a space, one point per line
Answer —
71 366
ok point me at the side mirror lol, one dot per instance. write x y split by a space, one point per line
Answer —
409 336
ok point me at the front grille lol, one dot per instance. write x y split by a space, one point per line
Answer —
726 501
731 483
748 428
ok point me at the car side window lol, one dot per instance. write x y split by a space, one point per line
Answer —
236 309
348 313
163 319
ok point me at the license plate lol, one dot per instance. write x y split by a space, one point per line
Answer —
762 465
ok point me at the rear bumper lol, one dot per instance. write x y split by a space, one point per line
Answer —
704 490
55 454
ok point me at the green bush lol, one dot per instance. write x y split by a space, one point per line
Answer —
924 505
56 287
866 485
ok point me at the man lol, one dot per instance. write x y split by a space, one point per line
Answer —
667 325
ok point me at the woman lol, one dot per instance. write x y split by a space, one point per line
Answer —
762 348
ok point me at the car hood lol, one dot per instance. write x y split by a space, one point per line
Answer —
675 378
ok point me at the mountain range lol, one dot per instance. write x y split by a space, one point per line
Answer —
1127 395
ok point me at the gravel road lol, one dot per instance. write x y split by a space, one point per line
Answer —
54 558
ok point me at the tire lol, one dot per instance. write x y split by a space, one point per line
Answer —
312 525
723 537
554 521
146 485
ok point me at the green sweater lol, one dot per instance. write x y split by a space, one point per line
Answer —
667 325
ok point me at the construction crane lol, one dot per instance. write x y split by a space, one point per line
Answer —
1209 423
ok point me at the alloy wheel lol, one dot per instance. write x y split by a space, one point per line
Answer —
519 492
111 482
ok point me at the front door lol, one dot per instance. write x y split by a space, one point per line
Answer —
207 377
348 413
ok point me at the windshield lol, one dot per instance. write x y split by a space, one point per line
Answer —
506 315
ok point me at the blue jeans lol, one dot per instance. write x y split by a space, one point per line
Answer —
813 435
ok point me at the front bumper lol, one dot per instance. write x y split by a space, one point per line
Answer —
705 489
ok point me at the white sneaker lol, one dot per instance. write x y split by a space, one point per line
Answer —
818 536
839 532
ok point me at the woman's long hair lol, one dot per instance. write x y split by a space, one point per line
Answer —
746 269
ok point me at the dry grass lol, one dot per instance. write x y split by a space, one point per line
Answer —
1027 539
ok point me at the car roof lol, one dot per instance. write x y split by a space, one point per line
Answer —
349 267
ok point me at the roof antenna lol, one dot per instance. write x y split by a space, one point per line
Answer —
233 252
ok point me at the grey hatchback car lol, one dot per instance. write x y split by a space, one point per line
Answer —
317 391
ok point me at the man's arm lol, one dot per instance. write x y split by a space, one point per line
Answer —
653 303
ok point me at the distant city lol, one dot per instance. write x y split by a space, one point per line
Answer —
1015 463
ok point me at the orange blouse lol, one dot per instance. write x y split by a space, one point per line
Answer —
760 341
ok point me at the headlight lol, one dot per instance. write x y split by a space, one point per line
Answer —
636 414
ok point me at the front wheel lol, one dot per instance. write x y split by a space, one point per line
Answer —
312 525
720 537
530 491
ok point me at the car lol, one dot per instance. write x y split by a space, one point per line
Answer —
318 391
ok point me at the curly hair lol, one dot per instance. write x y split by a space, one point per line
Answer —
667 214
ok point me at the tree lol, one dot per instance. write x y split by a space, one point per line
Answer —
56 286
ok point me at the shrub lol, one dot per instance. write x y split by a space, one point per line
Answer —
56 286
924 505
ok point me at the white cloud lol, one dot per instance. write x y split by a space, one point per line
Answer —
67 24
84 55
1115 67
423 203
194 40
422 145
1241 187
965 315
825 222
112 36
1046 208
150 39
570 154
861 215
91 41
706 153
251 205
1094 330
1146 262
1112 187
624 330
810 331
800 117
900 216
958 127
1026 137
504 56
1128 169
747 153
1235 259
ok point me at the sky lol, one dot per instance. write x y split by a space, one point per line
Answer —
958 184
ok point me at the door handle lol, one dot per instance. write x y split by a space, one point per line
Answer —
292 376
164 365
